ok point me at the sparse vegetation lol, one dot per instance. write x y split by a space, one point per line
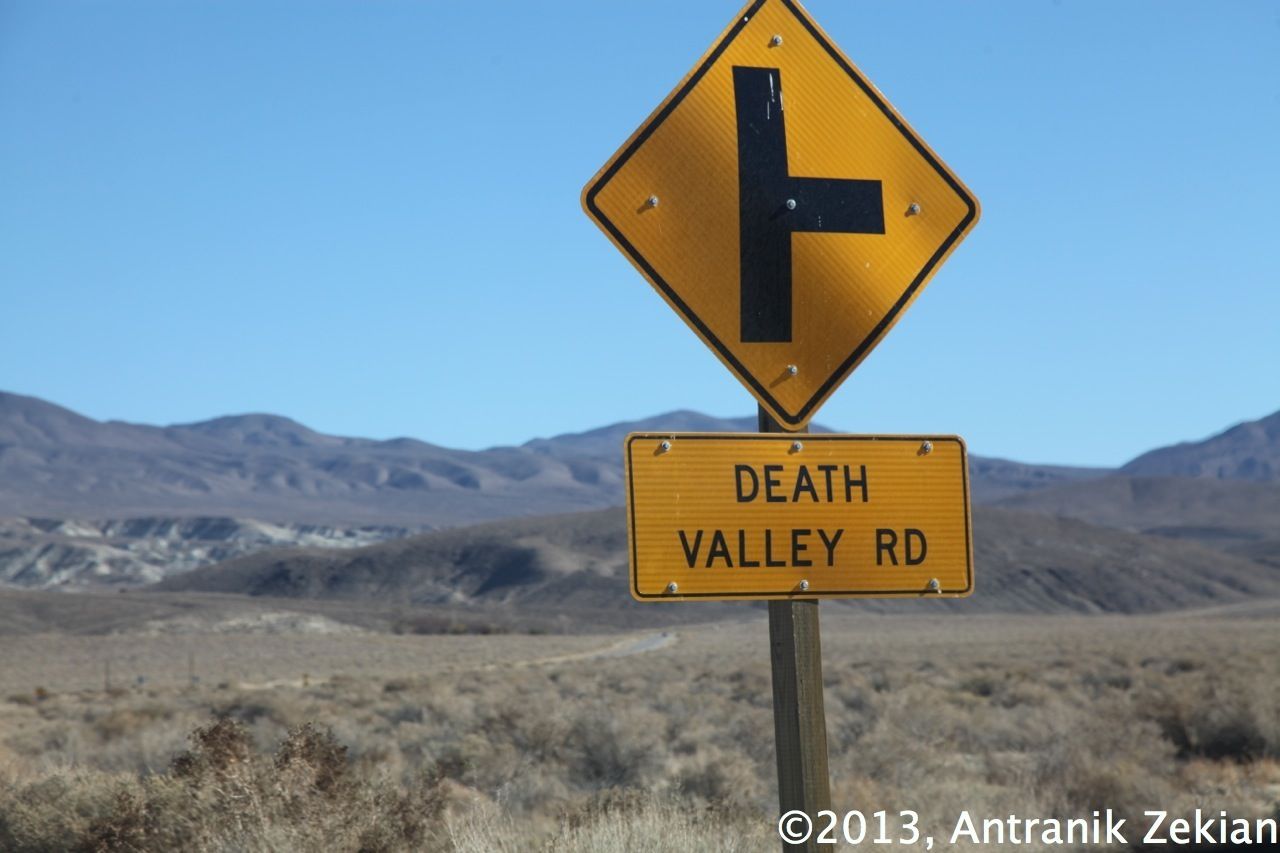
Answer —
668 749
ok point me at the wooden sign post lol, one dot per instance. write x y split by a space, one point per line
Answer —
799 718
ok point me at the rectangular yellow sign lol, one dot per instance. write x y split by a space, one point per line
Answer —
716 516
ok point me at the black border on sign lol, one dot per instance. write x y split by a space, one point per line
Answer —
785 595
842 371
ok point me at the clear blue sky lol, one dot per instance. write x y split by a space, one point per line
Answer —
364 215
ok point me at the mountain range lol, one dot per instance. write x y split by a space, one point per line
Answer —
1027 563
1247 451
256 504
57 463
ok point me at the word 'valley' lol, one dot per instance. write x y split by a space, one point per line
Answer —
797 547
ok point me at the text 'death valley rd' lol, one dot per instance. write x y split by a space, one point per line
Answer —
779 516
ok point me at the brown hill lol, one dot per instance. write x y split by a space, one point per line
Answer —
1025 563
565 558
991 479
55 463
1235 516
1247 451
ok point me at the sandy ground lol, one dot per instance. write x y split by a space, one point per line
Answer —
294 651
58 662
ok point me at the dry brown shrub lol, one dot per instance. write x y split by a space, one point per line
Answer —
311 758
120 722
221 795
1217 720
216 750
123 827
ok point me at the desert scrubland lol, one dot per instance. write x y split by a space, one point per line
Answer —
491 686
367 741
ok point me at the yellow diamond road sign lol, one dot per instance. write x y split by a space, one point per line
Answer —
782 207
721 516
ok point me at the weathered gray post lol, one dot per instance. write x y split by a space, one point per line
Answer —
799 722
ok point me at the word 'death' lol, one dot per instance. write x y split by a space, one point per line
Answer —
716 516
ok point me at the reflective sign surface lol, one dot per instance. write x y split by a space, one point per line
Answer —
718 516
782 207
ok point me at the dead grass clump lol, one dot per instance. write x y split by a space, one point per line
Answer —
638 821
215 751
54 813
1239 723
616 821
1170 666
123 827
250 709
718 778
222 795
603 752
983 684
311 758
1228 731
1101 756
121 722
